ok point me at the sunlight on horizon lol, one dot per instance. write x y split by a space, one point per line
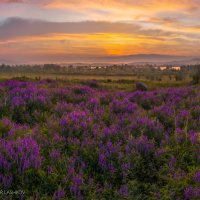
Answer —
98 28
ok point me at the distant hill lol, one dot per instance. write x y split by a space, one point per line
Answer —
141 59
4 61
8 62
193 61
146 58
138 59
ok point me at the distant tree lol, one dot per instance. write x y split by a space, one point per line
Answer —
196 76
158 78
179 76
138 76
51 67
93 83
141 86
152 78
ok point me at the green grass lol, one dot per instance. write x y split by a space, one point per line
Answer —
108 82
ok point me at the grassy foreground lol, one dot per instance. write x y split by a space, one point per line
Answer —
78 139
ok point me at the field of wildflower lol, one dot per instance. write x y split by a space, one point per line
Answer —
60 141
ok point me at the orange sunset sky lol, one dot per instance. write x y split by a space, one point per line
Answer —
70 30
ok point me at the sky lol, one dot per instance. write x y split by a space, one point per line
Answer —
78 30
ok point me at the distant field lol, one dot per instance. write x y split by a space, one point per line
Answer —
110 82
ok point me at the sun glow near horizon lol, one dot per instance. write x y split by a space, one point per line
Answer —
98 28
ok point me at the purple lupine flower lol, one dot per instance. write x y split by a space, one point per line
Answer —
197 192
6 180
59 194
172 162
179 174
188 192
111 168
17 102
25 153
124 191
93 103
58 138
75 187
7 122
158 195
90 181
102 160
193 137
55 154
197 177
125 169
191 192
49 170
143 145
159 152
184 114
179 134
95 131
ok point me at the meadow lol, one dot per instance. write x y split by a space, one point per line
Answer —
99 139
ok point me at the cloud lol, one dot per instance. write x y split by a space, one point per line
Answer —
16 27
193 5
158 12
24 1
99 26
